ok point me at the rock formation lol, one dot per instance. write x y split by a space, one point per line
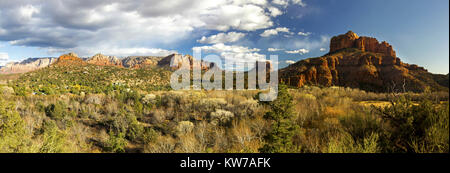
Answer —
359 62
140 61
175 61
27 65
100 59
369 44
70 59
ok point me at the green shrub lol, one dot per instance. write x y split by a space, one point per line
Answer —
415 128
54 140
279 139
13 137
344 143
56 110
116 142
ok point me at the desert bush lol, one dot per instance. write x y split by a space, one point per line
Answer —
415 128
93 99
245 139
6 91
211 104
13 136
56 110
21 91
184 127
344 143
163 144
54 140
150 135
135 131
361 125
158 116
187 144
221 117
173 99
116 142
149 99
246 108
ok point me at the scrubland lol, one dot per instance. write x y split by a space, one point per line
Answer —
305 120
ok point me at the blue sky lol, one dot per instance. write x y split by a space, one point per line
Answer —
297 29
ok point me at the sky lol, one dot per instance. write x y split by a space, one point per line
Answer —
240 30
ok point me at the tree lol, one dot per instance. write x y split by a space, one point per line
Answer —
279 139
116 142
56 111
422 127
54 140
13 137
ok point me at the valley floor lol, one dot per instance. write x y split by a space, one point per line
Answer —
318 120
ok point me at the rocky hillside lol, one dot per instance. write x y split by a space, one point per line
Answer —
172 61
70 74
27 65
369 44
140 61
361 62
100 59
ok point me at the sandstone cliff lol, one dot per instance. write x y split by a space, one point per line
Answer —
70 59
369 44
140 61
175 61
27 65
100 59
359 62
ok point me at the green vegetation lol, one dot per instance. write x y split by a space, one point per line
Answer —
57 80
108 109
279 139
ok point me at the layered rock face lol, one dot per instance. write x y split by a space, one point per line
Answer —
140 61
370 66
369 44
70 59
100 59
172 61
27 65
175 61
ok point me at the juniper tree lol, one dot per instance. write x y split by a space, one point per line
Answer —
279 139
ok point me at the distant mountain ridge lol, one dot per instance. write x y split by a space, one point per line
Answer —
173 61
27 65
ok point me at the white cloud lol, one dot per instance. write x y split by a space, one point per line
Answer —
226 48
286 2
323 49
274 49
233 54
3 58
304 33
280 2
54 24
290 62
115 51
299 51
231 16
308 43
270 32
222 38
274 12
298 2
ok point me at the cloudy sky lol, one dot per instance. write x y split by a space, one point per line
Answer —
244 29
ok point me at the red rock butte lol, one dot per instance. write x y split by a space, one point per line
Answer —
360 62
69 60
369 44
